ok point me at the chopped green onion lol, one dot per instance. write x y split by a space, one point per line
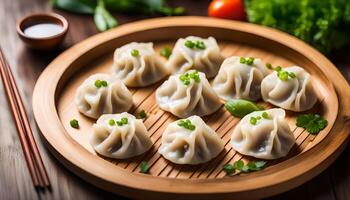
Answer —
200 45
258 117
283 75
190 44
265 115
186 78
166 52
74 123
104 83
142 114
111 122
122 121
135 53
291 74
253 120
144 167
98 83
268 66
229 169
242 60
239 164
250 61
186 124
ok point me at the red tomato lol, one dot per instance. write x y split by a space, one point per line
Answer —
228 9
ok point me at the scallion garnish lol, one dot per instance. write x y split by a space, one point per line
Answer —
265 115
111 122
268 66
135 52
100 83
248 61
254 120
142 114
198 44
74 123
144 167
122 121
166 52
187 124
239 165
186 78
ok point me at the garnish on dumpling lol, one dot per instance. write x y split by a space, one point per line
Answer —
195 53
190 141
120 136
240 78
138 65
187 94
263 134
289 88
102 94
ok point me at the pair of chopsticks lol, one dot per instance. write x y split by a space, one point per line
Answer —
31 153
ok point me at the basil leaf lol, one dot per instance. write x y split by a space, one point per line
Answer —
240 108
77 6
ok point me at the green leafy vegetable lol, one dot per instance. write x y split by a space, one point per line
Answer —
313 123
144 167
239 165
240 108
324 24
74 123
104 20
229 169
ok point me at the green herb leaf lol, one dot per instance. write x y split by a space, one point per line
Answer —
74 123
144 167
260 164
77 6
166 52
103 19
229 169
313 123
142 114
240 108
238 165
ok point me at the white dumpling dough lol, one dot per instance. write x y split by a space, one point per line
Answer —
186 100
296 94
93 101
239 81
184 146
120 142
206 60
267 139
138 71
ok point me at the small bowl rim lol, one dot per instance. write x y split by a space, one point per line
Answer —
63 20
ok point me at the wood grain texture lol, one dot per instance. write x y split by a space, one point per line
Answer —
15 182
55 89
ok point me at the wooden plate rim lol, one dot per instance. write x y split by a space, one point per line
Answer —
313 161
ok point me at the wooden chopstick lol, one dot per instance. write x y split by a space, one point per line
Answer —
30 149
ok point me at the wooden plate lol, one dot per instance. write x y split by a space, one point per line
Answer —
53 108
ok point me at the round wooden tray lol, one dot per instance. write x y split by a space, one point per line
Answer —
53 108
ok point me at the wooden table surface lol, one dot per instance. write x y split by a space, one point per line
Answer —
15 182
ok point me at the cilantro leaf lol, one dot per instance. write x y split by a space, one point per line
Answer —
229 169
313 123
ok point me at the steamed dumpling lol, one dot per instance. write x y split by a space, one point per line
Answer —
240 78
137 64
120 136
190 143
102 94
195 53
263 134
294 93
187 94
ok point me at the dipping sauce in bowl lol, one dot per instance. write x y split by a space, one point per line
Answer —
43 30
